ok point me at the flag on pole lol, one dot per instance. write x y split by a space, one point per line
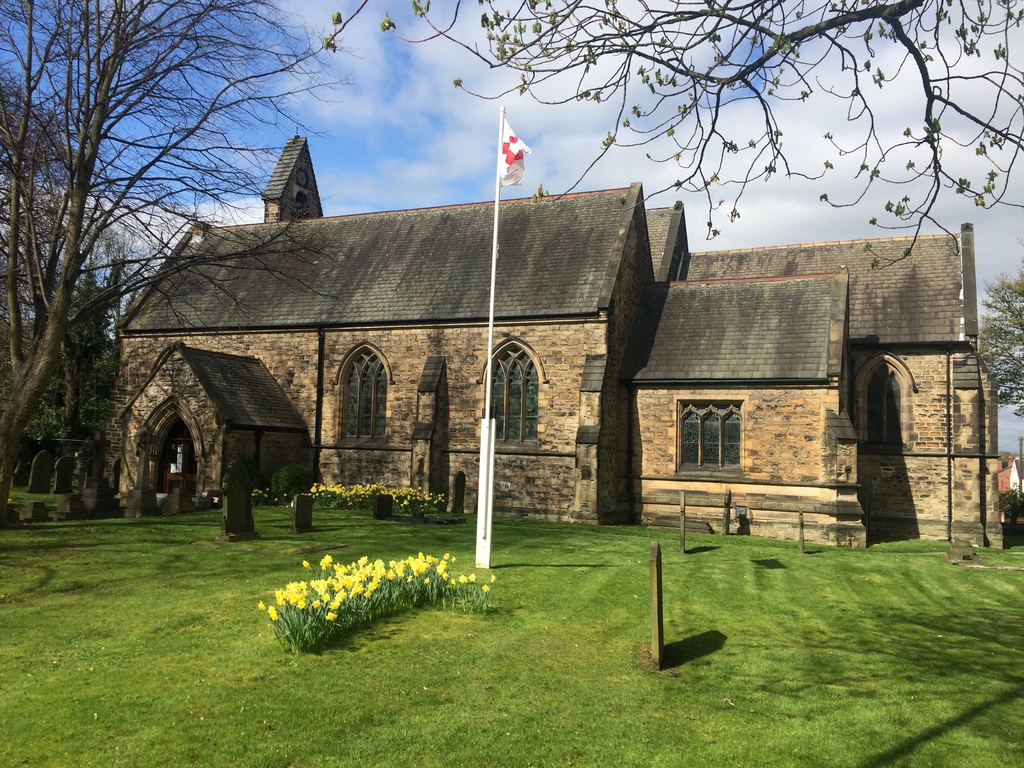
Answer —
510 157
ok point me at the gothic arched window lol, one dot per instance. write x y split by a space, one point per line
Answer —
709 436
366 395
883 407
514 396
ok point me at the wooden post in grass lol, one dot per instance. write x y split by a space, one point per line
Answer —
682 522
800 536
726 513
657 628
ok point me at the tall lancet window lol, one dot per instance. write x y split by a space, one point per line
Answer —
883 405
514 396
366 396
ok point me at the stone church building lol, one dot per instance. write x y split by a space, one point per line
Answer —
784 380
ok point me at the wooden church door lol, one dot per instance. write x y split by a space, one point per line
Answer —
178 459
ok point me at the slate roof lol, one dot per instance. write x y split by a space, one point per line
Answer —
245 393
406 266
278 182
917 299
759 330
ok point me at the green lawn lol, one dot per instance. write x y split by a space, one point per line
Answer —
127 644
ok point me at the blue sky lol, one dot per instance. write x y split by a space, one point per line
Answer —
399 135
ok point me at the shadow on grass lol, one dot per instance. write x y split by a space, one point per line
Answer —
551 565
692 648
770 565
907 746
700 550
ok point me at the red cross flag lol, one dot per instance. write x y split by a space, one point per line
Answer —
510 157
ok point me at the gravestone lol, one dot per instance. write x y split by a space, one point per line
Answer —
179 500
141 501
657 625
34 511
962 552
64 475
237 523
726 513
42 473
20 477
302 514
383 506
459 496
69 507
98 498
800 540
742 521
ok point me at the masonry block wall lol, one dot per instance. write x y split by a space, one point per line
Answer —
782 469
531 478
634 272
934 485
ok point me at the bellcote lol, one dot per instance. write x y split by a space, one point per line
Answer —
291 192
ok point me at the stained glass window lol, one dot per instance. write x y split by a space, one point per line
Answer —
366 395
515 389
710 436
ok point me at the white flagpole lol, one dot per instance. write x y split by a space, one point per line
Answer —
485 495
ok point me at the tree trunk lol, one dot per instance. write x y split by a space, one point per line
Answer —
31 378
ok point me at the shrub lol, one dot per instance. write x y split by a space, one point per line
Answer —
407 500
1012 504
338 597
290 480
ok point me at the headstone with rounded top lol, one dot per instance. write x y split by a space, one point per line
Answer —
63 474
41 474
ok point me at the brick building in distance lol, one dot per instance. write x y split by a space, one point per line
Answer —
795 379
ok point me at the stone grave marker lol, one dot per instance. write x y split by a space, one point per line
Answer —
69 507
727 513
459 495
34 511
63 474
98 498
383 506
237 523
800 534
302 514
657 625
961 552
141 501
20 477
42 473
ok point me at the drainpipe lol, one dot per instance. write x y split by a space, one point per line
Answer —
949 443
319 420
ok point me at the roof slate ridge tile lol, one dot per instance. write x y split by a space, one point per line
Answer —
734 280
430 209
825 243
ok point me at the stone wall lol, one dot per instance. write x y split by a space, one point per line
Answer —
536 476
634 272
940 482
788 463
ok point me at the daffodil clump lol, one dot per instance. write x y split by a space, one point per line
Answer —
407 500
337 597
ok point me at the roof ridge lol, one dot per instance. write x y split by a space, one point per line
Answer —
429 209
717 281
818 243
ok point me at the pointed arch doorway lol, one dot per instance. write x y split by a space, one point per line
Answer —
178 465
